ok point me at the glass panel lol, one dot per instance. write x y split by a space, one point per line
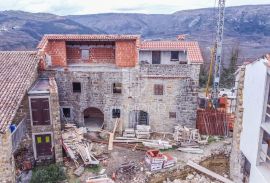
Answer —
47 139
39 140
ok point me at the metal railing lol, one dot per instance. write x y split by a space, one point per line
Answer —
18 134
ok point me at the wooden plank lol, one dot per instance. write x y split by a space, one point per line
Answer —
190 150
208 172
110 146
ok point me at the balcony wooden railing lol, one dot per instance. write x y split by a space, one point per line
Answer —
18 134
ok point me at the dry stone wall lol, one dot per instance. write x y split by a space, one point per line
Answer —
7 166
237 158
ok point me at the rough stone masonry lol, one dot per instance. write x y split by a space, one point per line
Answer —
180 93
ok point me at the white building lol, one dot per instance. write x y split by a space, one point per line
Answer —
255 135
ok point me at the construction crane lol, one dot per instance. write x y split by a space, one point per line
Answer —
216 54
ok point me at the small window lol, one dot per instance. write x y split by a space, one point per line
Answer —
85 54
47 139
117 88
39 140
174 56
76 87
66 112
182 57
116 113
158 89
172 114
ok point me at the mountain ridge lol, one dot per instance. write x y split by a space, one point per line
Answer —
246 27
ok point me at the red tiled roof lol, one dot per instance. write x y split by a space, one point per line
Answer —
17 72
85 37
193 50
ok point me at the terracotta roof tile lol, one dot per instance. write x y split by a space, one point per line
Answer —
193 50
17 71
85 37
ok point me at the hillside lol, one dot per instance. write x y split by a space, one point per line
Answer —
21 30
247 27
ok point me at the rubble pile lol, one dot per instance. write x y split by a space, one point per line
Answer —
193 178
76 146
185 134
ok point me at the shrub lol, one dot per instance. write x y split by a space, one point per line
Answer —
49 174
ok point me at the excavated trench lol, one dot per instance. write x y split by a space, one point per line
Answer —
217 163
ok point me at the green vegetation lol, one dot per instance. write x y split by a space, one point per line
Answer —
203 77
94 168
211 139
49 174
227 76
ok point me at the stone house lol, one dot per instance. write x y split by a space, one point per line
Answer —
103 77
18 70
91 80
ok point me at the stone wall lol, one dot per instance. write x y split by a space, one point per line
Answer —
237 159
55 115
180 94
7 166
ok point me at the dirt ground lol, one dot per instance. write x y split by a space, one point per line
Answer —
215 157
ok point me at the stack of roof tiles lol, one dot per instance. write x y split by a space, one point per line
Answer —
17 72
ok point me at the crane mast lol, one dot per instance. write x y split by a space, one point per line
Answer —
218 51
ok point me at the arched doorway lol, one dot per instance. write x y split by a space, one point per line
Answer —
138 117
93 118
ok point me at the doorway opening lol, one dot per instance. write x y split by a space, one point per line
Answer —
93 119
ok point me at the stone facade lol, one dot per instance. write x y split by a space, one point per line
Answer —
237 159
116 60
55 114
7 168
180 84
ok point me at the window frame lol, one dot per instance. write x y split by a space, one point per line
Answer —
31 110
76 90
116 113
115 89
158 89
174 59
172 115
85 54
62 112
157 55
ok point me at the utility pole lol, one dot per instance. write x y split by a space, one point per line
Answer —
218 51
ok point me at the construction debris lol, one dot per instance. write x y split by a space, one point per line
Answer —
184 134
99 179
127 168
157 144
76 146
208 172
157 161
191 150
129 133
79 171
111 134
143 132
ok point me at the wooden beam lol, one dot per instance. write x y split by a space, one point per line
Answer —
208 172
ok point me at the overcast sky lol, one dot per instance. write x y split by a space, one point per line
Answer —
67 7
